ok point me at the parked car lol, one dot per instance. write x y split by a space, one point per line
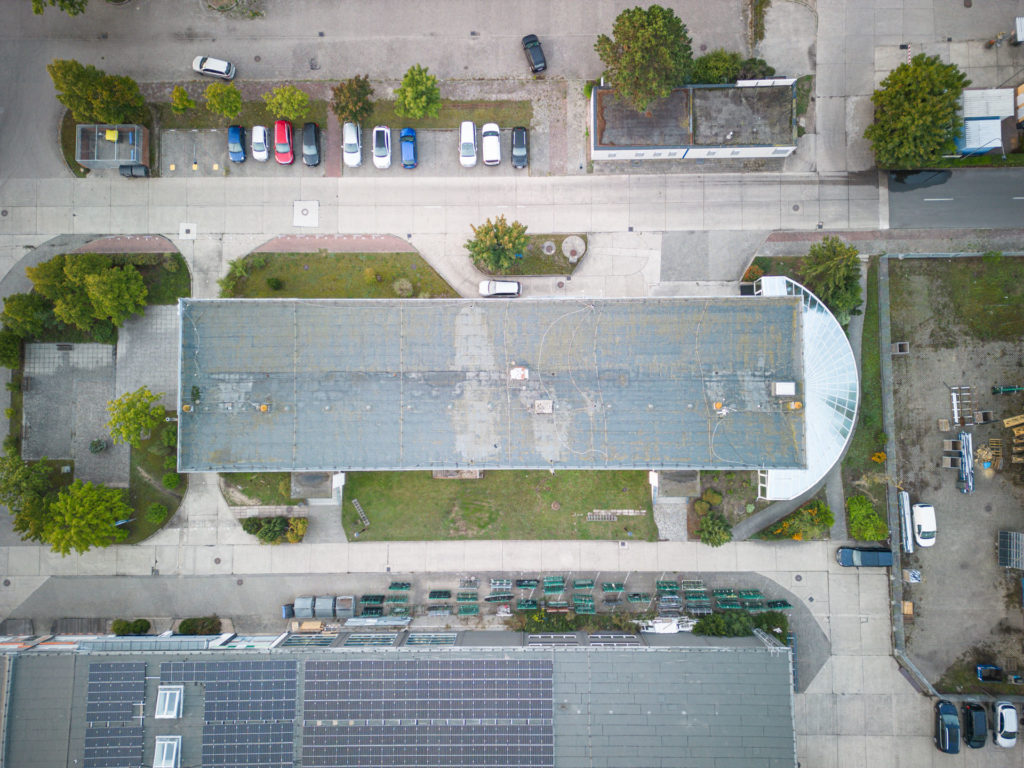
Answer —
382 147
311 144
135 170
283 143
352 144
407 142
500 289
975 725
207 65
260 143
900 181
857 557
947 727
924 524
534 54
520 147
1004 724
467 144
490 143
236 143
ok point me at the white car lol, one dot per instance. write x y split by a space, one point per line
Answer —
260 147
352 144
924 524
500 289
1004 724
207 65
467 144
490 143
382 147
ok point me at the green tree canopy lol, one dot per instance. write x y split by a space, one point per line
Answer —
286 102
717 67
832 271
181 102
224 99
88 292
865 523
714 530
418 96
916 117
70 7
133 413
84 516
10 348
116 293
27 314
119 100
495 243
351 99
26 491
94 96
647 56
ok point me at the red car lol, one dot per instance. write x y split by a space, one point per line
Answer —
283 143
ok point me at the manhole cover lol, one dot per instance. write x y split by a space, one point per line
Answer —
555 506
573 248
240 582
7 582
216 560
548 247
798 577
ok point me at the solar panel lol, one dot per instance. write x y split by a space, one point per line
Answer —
112 747
267 745
114 688
240 691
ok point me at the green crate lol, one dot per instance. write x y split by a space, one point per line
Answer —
439 594
669 587
399 586
469 610
750 594
583 584
526 605
586 610
778 605
639 597
397 599
692 584
612 586
372 600
466 597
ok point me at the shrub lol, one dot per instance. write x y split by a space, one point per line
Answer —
121 627
199 625
712 497
140 626
402 288
97 446
252 525
811 521
9 413
156 513
865 523
10 348
171 462
169 437
171 480
275 283
273 530
297 527
717 67
701 507
731 624
774 623
755 69
714 530
753 273
763 263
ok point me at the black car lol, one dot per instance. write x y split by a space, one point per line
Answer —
900 181
520 147
136 170
975 725
947 727
534 54
857 557
311 144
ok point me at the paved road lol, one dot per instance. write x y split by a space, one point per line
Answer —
982 198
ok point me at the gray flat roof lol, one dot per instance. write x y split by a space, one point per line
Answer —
336 384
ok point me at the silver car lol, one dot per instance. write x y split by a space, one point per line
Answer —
207 65
352 144
260 146
500 289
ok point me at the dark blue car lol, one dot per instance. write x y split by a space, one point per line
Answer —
236 143
857 557
407 141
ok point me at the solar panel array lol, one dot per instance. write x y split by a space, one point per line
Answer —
267 745
114 689
428 712
113 747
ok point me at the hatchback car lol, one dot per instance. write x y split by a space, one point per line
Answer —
1004 724
382 147
283 143
467 144
924 524
260 143
500 289
207 65
975 725
352 144
236 143
857 557
947 727
490 143
407 142
520 147
311 144
534 54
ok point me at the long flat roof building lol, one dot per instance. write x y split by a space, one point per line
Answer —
276 385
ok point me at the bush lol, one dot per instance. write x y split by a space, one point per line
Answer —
718 67
753 273
273 530
712 497
252 525
121 627
714 530
811 521
10 348
97 446
701 507
275 283
171 462
171 480
402 288
731 624
156 513
755 69
169 437
199 625
140 626
774 623
865 523
297 527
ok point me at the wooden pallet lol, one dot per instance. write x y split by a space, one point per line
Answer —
1013 421
996 446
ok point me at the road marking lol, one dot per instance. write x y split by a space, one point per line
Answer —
937 199
1018 198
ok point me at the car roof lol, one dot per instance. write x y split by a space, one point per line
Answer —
467 126
924 514
407 132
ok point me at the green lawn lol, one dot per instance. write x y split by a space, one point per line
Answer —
253 113
526 505
145 488
337 275
270 488
987 295
67 145
535 262
505 113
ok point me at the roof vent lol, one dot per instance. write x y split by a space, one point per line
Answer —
543 406
519 373
784 388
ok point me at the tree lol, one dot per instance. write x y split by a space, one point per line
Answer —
418 96
62 280
647 56
132 414
10 348
116 293
84 516
181 102
714 530
25 490
717 67
118 101
832 271
916 117
94 96
286 102
27 314
351 100
224 99
70 7
865 523
495 244
755 69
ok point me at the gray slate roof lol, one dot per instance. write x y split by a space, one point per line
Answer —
428 384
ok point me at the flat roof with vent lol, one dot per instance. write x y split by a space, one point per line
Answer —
277 385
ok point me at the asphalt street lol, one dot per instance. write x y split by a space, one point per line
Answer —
981 198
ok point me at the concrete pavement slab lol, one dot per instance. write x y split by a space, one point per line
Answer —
88 220
850 750
217 560
285 191
683 217
845 635
208 220
129 218
539 218
284 559
611 216
844 593
56 565
326 558
322 189
165 219
494 192
647 189
168 192
408 556
722 558
676 556
685 189
822 682
829 82
815 714
520 556
426 190
607 189
874 594
19 192
53 192
882 675
720 216
919 24
917 750
647 217
243 219
875 636
847 675
442 556
393 219
575 218
248 190
459 218
480 555
255 558
52 219
128 193
817 751
564 556
428 219
206 192
878 749
834 214
758 556
859 50
277 219
760 216
90 192
461 192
